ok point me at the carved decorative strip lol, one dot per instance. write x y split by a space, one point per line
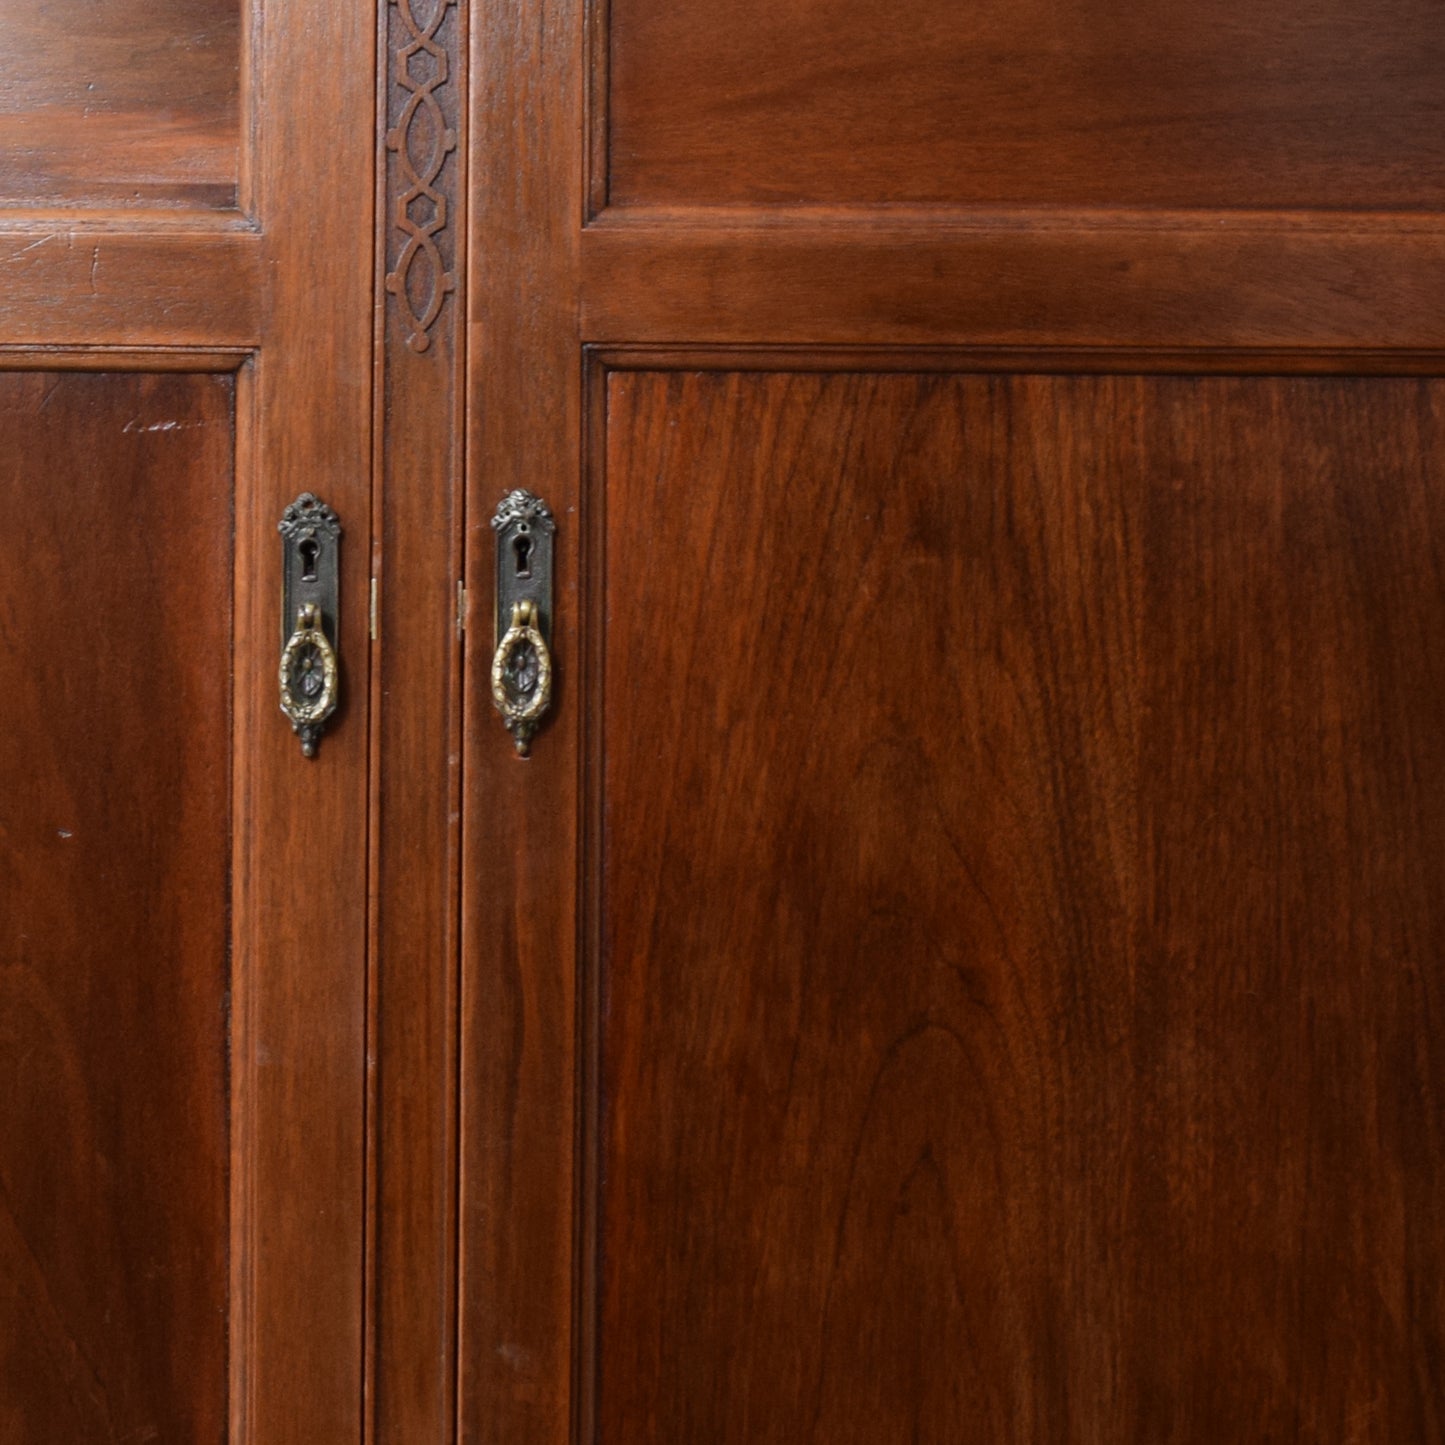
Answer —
422 135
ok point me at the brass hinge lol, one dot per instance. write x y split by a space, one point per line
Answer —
372 613
463 602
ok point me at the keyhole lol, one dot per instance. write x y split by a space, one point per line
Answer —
309 550
522 546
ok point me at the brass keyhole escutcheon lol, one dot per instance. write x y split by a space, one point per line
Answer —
522 667
309 673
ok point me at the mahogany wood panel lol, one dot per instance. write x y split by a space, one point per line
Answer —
303 827
1018 910
420 403
80 287
121 102
519 845
115 639
149 268
876 279
1127 102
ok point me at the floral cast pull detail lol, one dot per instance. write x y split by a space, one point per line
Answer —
522 664
522 677
309 675
308 679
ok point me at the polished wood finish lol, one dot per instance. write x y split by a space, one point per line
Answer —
775 1123
1014 931
301 921
1126 103
115 879
1079 281
269 277
125 102
420 400
520 848
116 285
553 1192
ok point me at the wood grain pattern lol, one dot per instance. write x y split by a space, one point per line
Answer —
519 866
1020 910
872 278
115 628
1127 102
303 864
141 264
124 102
420 401
71 286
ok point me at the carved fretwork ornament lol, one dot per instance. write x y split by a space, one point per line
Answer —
421 140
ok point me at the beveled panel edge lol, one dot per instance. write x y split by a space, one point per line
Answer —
885 218
596 81
66 286
590 825
125 219
1038 360
122 358
1375 288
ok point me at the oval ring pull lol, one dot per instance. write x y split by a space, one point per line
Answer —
308 678
522 676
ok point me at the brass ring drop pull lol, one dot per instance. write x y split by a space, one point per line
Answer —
308 678
522 676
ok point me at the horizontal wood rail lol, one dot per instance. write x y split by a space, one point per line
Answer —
74 285
860 279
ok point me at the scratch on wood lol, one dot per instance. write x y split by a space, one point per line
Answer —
16 255
135 425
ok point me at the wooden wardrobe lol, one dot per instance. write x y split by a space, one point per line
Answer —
962 960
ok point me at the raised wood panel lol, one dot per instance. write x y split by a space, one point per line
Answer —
1017 911
1130 102
115 866
121 102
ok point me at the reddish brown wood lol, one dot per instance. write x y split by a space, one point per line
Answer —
1129 102
128 102
1019 899
694 1142
115 745
137 272
301 918
420 400
193 287
874 279
519 920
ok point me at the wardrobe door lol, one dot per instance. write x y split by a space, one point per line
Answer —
957 962
185 350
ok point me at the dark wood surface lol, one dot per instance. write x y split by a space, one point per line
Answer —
121 102
776 1124
115 745
520 847
223 221
1128 102
421 400
1104 282
1194 778
1019 900
194 285
302 921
